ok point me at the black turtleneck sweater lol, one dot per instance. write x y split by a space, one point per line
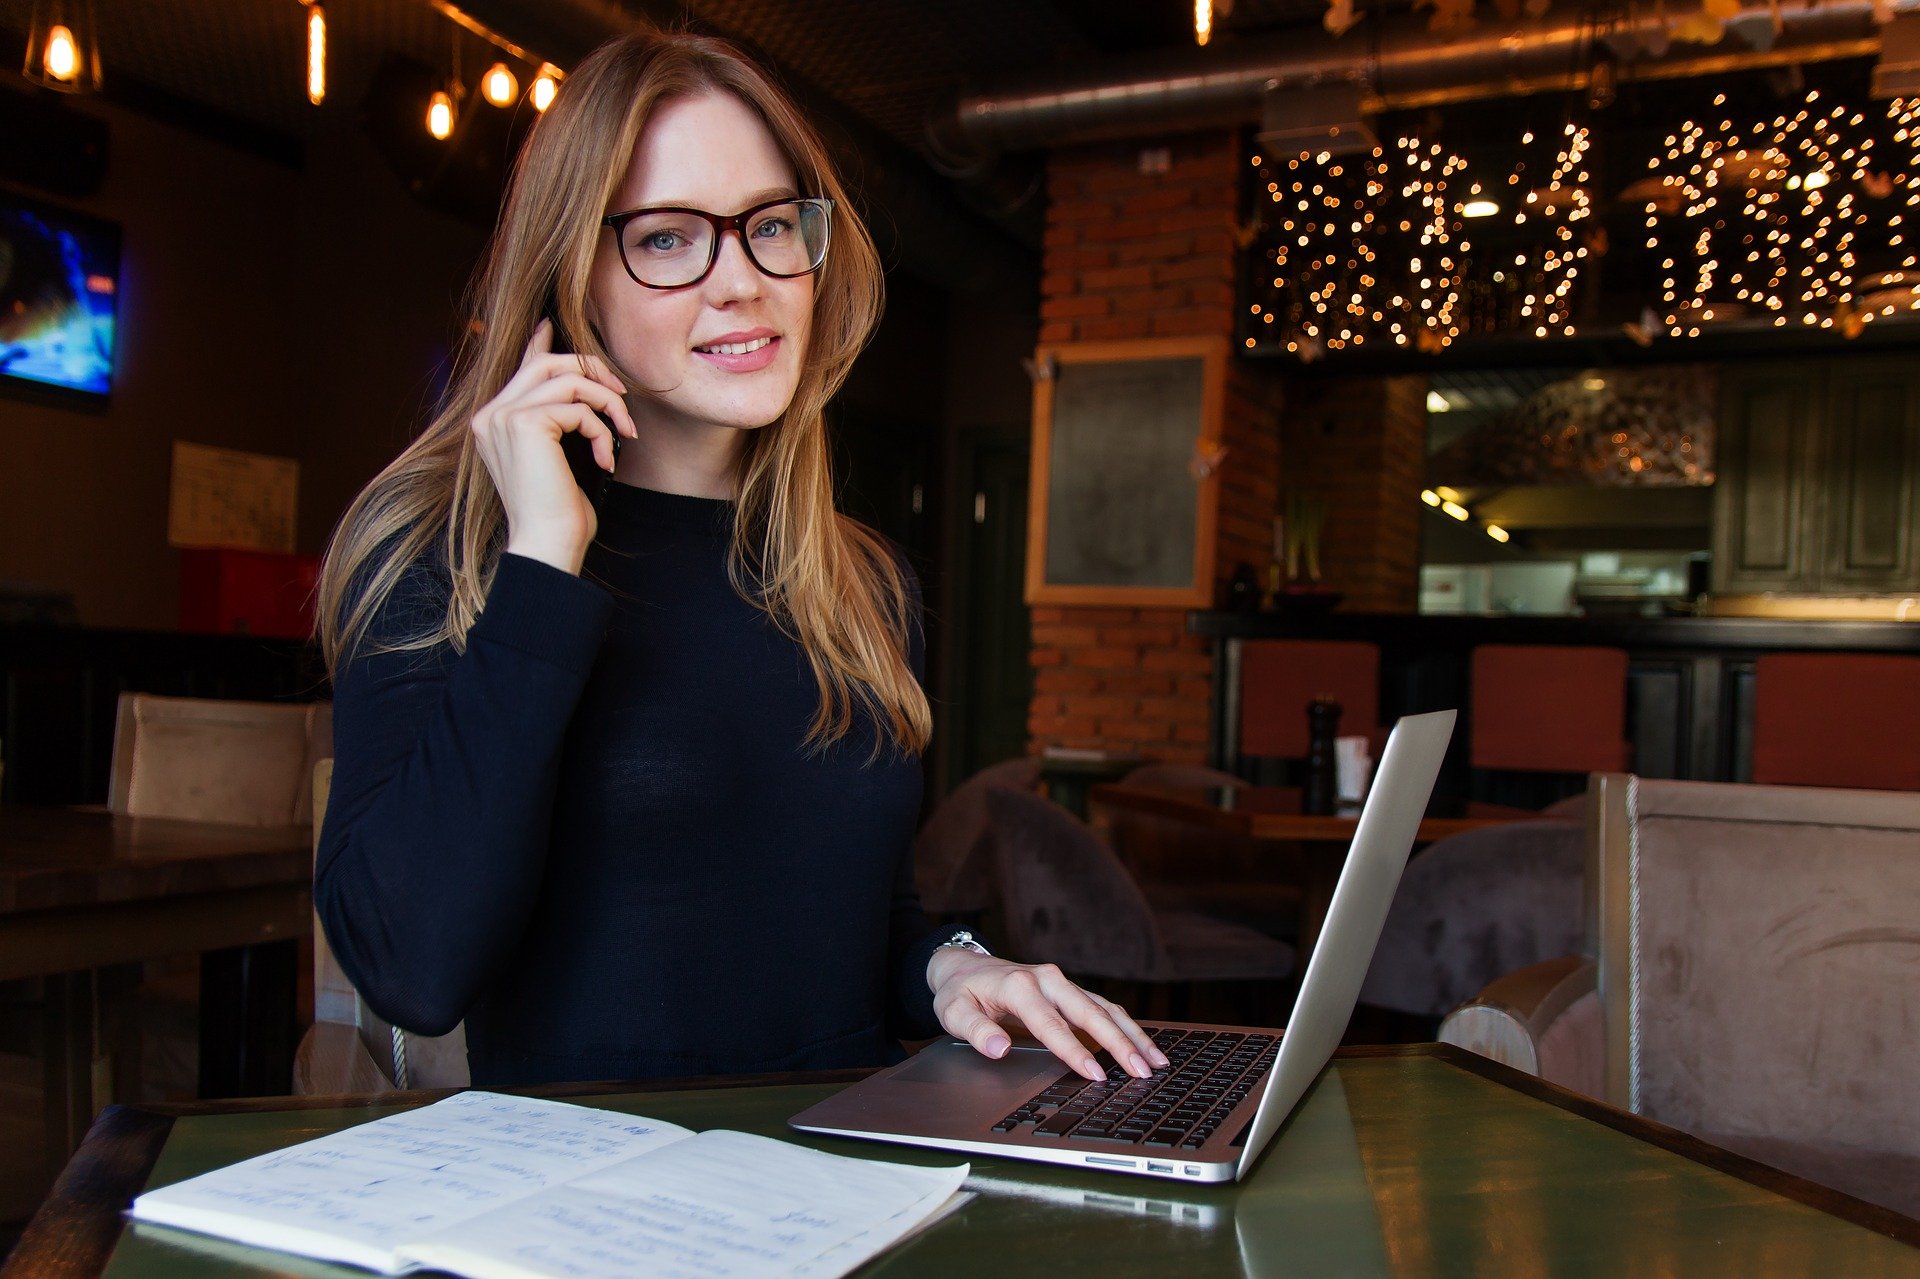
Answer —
596 837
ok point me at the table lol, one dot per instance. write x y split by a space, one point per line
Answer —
1272 814
82 889
1410 1160
1067 778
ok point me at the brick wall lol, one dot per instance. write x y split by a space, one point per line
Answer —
1134 255
1361 443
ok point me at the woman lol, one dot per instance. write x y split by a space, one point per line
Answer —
630 789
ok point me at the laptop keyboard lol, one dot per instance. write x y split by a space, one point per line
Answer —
1208 1073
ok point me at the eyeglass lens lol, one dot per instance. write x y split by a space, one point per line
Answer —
667 249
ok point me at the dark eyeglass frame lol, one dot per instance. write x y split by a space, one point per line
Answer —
721 225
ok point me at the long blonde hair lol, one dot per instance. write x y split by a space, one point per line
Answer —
825 579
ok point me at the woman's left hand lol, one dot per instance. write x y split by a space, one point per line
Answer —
974 993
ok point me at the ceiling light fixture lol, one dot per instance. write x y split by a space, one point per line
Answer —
1481 208
500 86
1438 403
63 47
440 115
443 108
545 85
1430 497
316 52
1497 533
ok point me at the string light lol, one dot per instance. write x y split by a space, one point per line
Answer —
1796 219
499 86
1347 232
1380 244
440 114
545 85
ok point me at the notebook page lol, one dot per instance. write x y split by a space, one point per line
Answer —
722 1205
358 1194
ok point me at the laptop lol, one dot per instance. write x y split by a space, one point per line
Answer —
1226 1090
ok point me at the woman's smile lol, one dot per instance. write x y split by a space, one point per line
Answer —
747 352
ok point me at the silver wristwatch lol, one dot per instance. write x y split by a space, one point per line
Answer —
964 940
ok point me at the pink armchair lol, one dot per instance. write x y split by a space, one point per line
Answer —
1751 976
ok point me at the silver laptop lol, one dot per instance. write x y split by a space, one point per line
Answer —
1227 1089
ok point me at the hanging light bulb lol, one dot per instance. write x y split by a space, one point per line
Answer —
499 86
545 85
1202 21
316 53
443 107
63 49
440 115
63 58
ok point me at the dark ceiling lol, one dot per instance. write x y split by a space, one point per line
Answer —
888 61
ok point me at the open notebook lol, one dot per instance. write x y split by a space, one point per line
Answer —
498 1187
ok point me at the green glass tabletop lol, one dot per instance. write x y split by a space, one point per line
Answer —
1393 1166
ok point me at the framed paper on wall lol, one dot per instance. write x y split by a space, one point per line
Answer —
1124 495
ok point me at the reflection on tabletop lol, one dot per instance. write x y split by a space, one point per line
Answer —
1306 1210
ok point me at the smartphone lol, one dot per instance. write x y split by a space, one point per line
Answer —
579 450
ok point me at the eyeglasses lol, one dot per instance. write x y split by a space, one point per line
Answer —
671 248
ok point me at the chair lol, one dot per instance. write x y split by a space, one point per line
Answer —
952 864
1547 709
350 1048
1836 719
1183 867
205 760
208 760
1751 975
1070 902
1280 678
1475 906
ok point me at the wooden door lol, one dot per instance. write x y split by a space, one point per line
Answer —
1765 530
1870 460
993 682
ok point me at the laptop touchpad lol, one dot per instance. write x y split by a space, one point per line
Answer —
960 1064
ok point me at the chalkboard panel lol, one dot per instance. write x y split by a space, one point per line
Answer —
1121 514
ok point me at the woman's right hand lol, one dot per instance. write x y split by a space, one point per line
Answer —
518 434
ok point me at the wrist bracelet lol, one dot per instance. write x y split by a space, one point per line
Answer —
964 940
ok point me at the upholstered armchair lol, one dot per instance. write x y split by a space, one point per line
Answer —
952 858
1751 976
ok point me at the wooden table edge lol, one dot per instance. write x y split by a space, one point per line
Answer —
74 1232
1151 803
1836 1203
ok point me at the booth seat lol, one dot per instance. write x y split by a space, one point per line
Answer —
1751 976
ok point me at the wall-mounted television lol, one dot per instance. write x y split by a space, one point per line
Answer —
59 302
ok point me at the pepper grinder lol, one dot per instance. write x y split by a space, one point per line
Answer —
1322 789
